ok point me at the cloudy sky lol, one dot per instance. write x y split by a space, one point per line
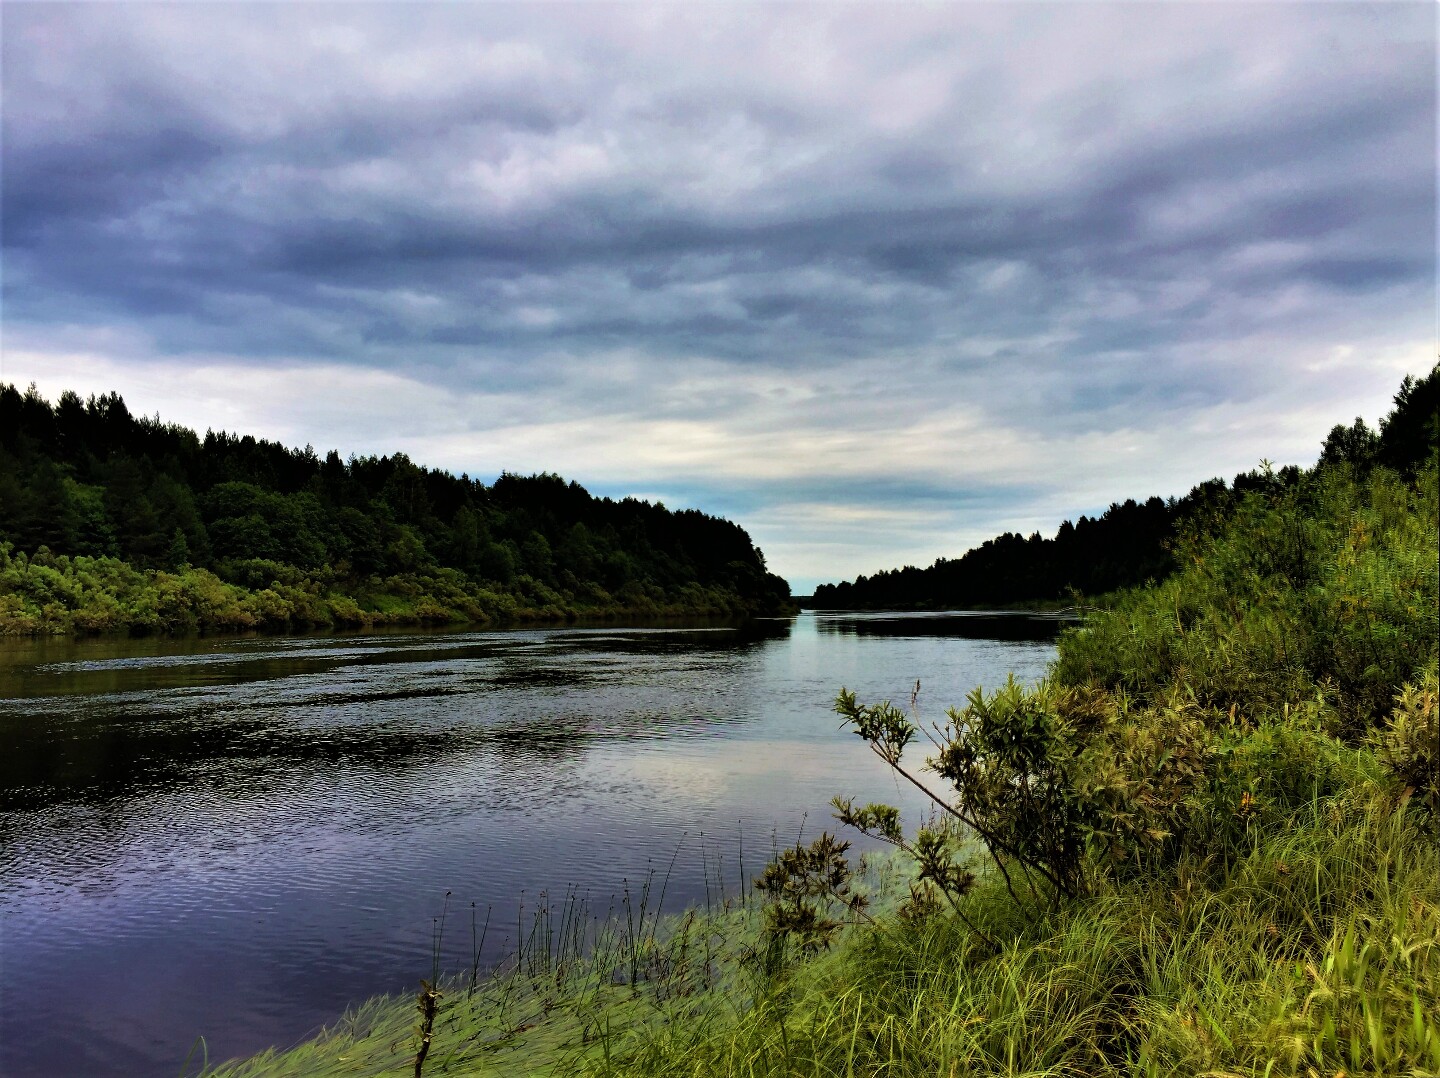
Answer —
878 282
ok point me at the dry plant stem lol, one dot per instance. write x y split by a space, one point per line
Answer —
992 839
906 848
665 883
429 1005
477 947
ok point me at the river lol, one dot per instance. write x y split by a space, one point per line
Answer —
232 839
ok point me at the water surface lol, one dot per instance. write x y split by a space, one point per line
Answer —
233 839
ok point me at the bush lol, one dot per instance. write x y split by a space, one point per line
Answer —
1329 588
1409 744
1203 711
1069 783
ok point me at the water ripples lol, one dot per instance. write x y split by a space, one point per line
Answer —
238 838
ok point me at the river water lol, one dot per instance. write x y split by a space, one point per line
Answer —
232 839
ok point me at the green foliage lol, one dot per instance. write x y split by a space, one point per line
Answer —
1409 744
1355 445
1328 590
1067 783
1203 708
882 821
884 727
802 886
1259 775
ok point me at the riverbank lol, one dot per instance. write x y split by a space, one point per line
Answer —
47 594
579 992
1071 607
1320 947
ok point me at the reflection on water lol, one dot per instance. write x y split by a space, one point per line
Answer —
235 838
966 624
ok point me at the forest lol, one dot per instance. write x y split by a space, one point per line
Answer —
1131 542
111 521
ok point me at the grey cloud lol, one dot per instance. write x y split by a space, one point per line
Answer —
1062 217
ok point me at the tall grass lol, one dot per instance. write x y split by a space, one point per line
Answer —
1315 950
1318 952
579 985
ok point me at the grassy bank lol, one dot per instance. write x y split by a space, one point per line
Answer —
577 994
1317 950
1207 844
45 594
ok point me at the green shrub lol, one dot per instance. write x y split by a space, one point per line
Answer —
1328 588
805 887
1069 783
1409 745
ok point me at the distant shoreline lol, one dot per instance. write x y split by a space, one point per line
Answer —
1027 606
47 594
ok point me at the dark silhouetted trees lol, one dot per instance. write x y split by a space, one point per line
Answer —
87 478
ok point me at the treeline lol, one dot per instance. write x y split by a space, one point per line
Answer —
106 517
1131 542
